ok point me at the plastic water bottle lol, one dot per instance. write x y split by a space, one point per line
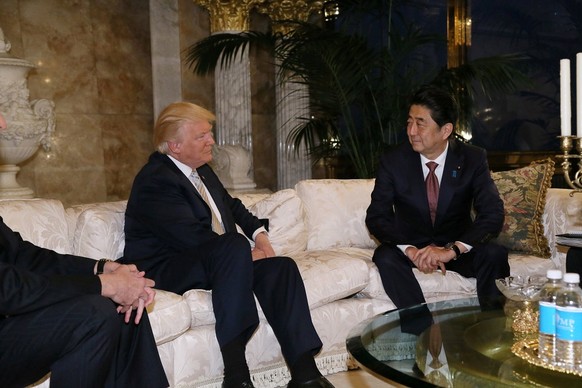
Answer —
569 324
548 295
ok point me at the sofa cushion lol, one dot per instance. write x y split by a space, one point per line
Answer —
200 305
40 221
287 230
99 232
169 316
434 286
249 199
332 274
201 310
437 287
563 214
328 276
523 192
521 264
336 212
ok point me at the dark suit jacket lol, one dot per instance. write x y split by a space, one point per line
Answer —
399 213
165 214
32 277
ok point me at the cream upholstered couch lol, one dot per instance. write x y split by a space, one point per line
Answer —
321 225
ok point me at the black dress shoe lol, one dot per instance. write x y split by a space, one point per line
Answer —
244 384
320 382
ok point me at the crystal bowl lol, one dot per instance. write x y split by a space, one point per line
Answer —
521 288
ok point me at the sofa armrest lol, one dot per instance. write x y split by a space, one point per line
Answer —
562 214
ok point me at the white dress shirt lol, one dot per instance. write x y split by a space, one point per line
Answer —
187 171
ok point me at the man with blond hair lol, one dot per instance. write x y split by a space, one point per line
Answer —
180 227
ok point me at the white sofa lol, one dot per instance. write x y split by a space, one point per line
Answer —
321 225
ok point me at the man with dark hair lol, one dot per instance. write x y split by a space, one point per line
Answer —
422 206
60 314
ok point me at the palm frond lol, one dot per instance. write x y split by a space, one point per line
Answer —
358 91
222 49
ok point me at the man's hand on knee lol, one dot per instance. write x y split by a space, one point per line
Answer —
128 288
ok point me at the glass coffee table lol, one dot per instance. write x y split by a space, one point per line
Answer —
447 344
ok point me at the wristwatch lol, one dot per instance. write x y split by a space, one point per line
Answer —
101 266
452 246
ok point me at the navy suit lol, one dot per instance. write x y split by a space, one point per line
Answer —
168 234
53 318
469 210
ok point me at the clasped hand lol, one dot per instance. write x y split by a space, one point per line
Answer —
128 287
429 258
263 248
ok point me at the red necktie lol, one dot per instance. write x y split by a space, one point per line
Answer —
432 189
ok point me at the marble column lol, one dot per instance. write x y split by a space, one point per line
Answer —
233 83
232 87
165 51
293 164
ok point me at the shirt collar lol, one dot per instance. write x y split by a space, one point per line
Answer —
186 170
440 160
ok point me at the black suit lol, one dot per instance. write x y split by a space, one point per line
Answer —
53 318
399 215
574 260
168 233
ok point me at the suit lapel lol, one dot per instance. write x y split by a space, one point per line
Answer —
204 175
450 180
183 178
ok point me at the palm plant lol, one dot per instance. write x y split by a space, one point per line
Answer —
357 92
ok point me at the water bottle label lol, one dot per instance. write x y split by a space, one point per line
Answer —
569 323
547 318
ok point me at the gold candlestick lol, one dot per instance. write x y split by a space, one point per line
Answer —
567 143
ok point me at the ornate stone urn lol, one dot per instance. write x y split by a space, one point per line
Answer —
29 124
233 166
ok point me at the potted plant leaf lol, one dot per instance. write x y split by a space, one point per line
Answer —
358 89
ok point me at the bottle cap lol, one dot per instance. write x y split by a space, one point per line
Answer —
571 278
554 274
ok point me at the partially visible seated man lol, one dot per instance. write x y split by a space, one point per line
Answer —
60 314
574 260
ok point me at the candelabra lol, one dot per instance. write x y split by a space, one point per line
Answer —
567 144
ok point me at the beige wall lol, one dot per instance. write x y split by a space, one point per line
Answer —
93 61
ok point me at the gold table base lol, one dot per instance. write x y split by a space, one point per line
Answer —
528 351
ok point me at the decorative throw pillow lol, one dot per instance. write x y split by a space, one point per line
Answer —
284 210
523 192
336 212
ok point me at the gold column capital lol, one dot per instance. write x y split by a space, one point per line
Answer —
289 10
229 15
